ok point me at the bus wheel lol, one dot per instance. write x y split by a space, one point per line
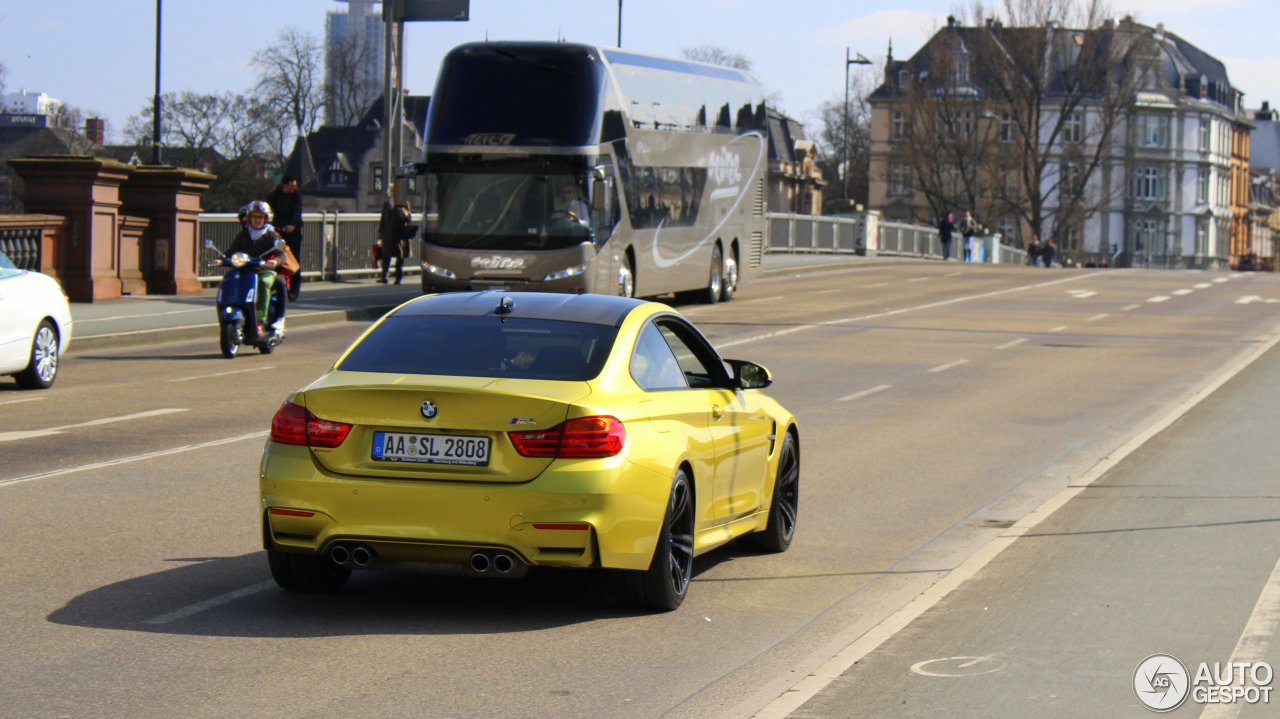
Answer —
626 279
715 284
730 278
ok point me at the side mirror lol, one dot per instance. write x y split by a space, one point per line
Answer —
749 375
280 244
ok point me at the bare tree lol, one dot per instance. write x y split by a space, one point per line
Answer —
290 86
349 86
844 138
4 74
223 132
1063 79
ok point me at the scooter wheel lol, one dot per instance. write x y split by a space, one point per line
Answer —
231 339
267 347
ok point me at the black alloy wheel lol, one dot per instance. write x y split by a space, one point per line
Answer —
664 585
231 338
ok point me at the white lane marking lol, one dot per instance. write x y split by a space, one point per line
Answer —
1180 293
1131 307
1014 343
949 365
917 279
208 604
891 313
1248 299
1081 294
953 274
1059 328
140 317
1203 285
826 292
50 431
1254 641
24 399
865 392
1220 280
129 460
222 374
879 284
835 667
1159 298
1095 318
775 298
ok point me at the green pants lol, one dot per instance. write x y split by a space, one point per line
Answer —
266 280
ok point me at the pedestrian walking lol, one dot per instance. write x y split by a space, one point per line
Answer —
968 228
1033 250
1047 252
287 221
393 227
945 228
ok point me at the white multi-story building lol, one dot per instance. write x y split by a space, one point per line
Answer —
29 103
1172 189
354 42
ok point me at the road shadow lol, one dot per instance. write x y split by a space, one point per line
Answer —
234 597
144 357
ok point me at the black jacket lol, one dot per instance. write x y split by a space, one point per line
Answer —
286 208
253 248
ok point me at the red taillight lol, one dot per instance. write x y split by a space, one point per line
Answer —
296 425
582 438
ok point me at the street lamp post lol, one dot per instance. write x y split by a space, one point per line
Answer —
155 100
844 134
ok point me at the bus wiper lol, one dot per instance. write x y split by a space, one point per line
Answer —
525 61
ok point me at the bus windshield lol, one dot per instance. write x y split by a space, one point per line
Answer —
510 211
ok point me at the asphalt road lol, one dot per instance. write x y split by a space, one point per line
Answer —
940 405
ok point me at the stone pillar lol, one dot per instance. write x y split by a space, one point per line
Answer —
86 191
133 251
170 198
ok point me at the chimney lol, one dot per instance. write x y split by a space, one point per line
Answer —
951 21
96 130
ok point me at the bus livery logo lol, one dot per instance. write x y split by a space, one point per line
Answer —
497 262
724 167
490 138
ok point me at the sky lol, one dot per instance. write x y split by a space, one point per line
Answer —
99 55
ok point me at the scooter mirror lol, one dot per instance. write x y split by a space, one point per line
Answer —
208 243
280 244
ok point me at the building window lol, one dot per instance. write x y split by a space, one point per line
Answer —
1073 130
962 68
1012 184
1147 238
1069 185
898 126
379 181
1205 132
967 123
899 180
1202 186
1202 237
904 76
1006 127
1152 130
1150 183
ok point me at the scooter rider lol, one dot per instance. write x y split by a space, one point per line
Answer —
256 239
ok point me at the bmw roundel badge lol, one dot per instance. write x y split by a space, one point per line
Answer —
429 409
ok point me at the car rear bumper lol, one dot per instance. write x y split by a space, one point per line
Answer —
582 513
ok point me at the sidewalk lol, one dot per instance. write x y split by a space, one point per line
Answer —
152 319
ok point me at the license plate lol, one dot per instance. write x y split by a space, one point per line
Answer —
430 448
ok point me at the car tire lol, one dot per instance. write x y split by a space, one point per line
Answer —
664 585
43 367
627 279
312 573
785 506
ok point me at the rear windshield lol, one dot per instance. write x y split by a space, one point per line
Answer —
514 348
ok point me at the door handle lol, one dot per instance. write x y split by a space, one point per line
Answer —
717 411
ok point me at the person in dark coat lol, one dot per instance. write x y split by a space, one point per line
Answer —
288 222
393 228
945 228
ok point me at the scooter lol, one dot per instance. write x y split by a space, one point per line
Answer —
237 295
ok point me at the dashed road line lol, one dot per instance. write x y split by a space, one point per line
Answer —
24 399
130 459
1059 328
1159 298
1180 293
865 393
949 365
51 431
1130 307
1097 317
1014 343
223 374
208 604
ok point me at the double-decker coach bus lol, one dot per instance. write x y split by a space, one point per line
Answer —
572 168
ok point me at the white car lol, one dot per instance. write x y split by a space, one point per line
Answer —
35 325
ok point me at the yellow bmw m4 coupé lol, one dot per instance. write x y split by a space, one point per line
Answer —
498 431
